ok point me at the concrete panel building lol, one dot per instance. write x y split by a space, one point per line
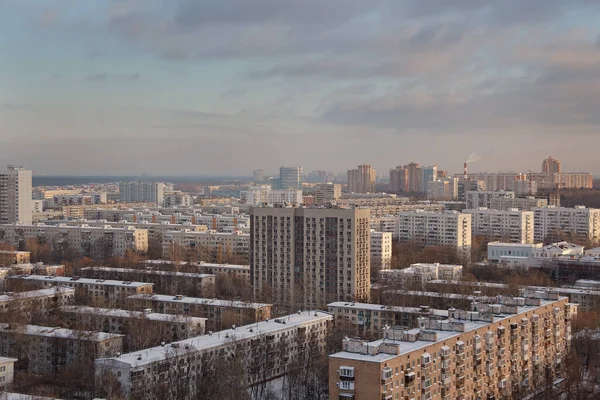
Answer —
142 192
579 221
512 226
15 196
310 256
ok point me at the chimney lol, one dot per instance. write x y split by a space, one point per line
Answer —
466 174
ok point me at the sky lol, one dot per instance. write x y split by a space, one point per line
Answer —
224 87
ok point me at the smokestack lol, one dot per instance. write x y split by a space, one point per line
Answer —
466 174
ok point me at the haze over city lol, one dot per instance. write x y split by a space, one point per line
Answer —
182 87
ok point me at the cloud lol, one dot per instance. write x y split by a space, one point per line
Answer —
104 76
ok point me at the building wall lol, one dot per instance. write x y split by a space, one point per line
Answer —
310 255
16 196
579 221
507 226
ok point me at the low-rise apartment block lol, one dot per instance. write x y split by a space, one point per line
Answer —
36 301
530 255
142 329
96 242
381 249
42 349
449 228
167 282
512 226
8 257
272 347
241 272
219 313
7 374
493 351
99 291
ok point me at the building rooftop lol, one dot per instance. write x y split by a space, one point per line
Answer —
112 312
381 307
442 335
62 333
147 272
36 293
84 281
198 300
20 396
217 339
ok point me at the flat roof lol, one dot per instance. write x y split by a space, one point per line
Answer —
217 339
87 281
408 347
37 293
148 272
199 300
63 333
381 307
112 312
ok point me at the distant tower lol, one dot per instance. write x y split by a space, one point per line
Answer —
551 166
258 175
15 196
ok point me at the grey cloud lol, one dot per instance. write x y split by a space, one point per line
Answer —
234 93
104 76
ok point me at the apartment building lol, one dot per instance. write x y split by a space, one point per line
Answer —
531 254
385 223
492 351
290 178
579 221
369 320
512 226
273 347
15 196
103 291
256 194
42 349
362 179
483 198
218 246
495 181
219 313
166 282
8 257
575 180
89 241
241 272
417 275
328 193
519 203
465 186
448 228
36 301
381 249
177 199
215 222
551 165
142 329
310 256
7 374
142 192
442 189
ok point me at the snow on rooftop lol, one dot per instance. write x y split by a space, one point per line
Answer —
217 339
63 333
381 307
147 272
89 281
198 300
112 312
37 293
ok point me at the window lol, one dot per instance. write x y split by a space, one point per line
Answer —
347 372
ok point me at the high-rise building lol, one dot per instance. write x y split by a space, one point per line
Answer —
399 179
142 192
415 177
428 174
310 256
506 349
362 180
290 178
483 198
258 176
15 196
381 249
551 166
443 189
469 186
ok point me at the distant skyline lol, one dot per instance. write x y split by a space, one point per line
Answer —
191 87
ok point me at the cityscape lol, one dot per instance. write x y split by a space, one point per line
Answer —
299 200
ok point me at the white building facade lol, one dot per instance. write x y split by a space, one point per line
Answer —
381 249
15 196
509 226
579 221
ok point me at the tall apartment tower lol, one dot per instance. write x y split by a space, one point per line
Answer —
429 173
15 196
362 180
141 192
258 176
310 256
399 179
328 192
290 178
551 166
415 177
